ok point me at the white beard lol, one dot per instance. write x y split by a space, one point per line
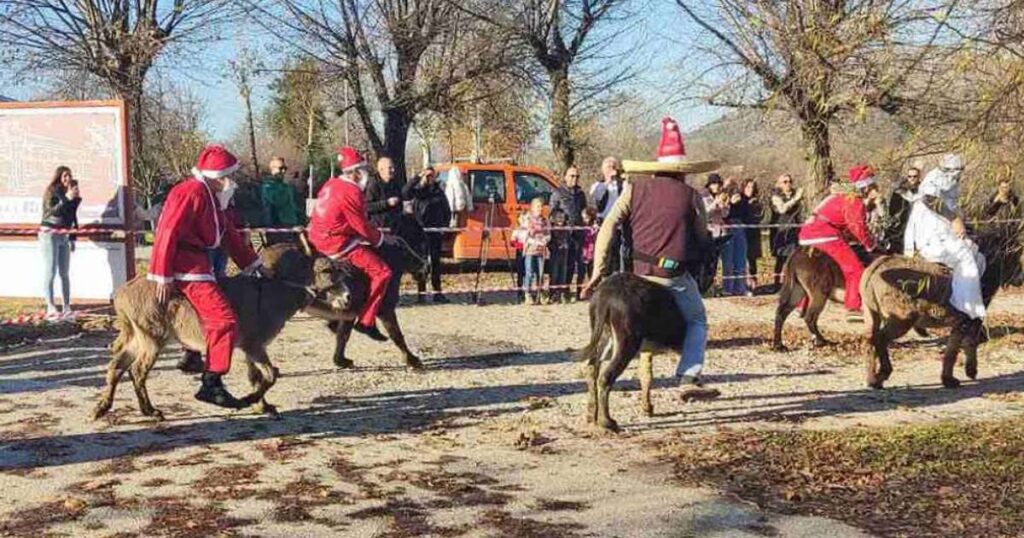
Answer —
364 179
227 193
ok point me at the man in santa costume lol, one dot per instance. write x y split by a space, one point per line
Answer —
192 225
340 229
937 232
840 217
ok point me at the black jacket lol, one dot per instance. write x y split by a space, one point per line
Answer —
377 194
59 211
572 202
429 203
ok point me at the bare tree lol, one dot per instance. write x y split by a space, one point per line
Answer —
820 61
568 40
244 71
396 57
116 40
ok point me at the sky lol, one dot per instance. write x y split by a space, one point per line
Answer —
660 35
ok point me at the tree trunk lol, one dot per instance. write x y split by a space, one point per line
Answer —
247 97
396 133
561 118
818 148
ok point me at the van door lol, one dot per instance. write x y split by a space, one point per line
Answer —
490 197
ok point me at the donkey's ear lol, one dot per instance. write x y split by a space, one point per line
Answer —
304 243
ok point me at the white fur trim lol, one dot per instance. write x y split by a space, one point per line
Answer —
160 279
671 158
195 277
380 241
864 183
216 174
354 166
817 240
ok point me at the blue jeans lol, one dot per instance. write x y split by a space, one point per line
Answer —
687 297
534 273
56 249
734 263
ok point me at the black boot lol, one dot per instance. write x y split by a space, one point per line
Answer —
372 332
192 362
213 392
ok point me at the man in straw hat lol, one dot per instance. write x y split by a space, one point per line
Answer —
667 220
192 224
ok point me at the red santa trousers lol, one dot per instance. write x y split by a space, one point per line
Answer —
850 265
370 263
218 320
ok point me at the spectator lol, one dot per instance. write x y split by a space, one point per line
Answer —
558 263
901 200
734 253
589 239
519 236
753 197
570 200
60 211
384 196
535 250
430 207
786 215
278 198
1004 203
604 193
716 205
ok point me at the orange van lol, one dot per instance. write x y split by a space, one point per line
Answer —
501 192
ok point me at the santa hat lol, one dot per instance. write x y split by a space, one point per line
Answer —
350 159
671 148
862 177
671 155
215 162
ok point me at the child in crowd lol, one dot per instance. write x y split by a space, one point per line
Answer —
535 249
590 221
518 243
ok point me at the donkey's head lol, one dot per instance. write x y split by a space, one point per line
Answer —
1003 247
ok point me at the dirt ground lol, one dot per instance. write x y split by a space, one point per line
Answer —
489 441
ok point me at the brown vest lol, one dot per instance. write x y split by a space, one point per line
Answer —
660 214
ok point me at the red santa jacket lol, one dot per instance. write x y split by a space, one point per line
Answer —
339 223
192 222
836 217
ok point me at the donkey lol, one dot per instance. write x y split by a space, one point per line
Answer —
297 281
903 293
406 255
810 275
628 315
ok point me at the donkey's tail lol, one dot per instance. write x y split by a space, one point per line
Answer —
598 325
125 332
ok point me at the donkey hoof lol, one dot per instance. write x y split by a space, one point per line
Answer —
780 348
878 384
950 382
344 363
156 415
820 342
271 411
648 410
412 361
608 426
971 370
101 410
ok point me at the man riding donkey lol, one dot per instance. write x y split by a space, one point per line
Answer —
668 226
839 217
340 229
936 231
192 225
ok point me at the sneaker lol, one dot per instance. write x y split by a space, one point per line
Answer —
52 313
372 332
689 381
213 392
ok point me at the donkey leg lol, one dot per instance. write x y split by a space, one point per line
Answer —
971 361
591 368
342 332
953 346
646 376
814 309
390 320
139 372
262 376
788 302
877 348
893 330
116 368
625 350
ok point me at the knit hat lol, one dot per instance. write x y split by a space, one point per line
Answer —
350 159
671 156
215 162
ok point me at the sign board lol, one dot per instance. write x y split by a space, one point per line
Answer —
90 137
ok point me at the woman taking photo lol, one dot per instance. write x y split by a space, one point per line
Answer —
60 209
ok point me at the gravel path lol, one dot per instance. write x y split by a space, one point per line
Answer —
488 442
